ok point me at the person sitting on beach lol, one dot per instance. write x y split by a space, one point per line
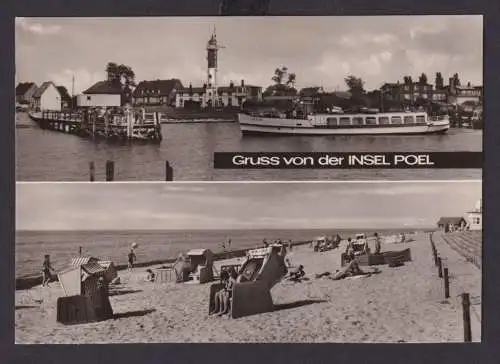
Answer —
46 269
296 274
222 297
378 245
151 276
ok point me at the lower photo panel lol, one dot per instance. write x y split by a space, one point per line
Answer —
345 262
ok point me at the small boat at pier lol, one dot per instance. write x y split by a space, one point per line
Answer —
344 124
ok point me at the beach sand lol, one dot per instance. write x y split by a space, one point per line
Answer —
402 304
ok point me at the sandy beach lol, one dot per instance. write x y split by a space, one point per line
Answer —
402 304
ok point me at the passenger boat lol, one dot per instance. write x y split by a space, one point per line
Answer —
345 124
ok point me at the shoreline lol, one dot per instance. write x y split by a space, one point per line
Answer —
27 282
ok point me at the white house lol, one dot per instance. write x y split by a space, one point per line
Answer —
475 217
101 94
47 97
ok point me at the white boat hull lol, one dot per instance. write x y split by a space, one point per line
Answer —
262 125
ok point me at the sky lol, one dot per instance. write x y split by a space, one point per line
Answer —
160 206
321 51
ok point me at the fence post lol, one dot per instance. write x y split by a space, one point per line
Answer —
92 171
110 171
169 172
446 283
440 267
466 316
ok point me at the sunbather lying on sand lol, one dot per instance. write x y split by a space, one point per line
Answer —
350 270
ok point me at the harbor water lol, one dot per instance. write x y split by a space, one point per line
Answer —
43 155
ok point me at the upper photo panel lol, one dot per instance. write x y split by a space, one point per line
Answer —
249 98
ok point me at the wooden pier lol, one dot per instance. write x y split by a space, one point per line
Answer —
110 124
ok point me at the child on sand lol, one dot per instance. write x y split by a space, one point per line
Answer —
46 269
131 259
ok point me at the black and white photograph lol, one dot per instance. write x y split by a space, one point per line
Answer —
146 97
340 262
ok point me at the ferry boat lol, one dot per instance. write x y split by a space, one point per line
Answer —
345 124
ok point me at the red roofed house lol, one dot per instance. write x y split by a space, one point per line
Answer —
101 94
157 92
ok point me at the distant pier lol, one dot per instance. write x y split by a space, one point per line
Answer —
111 124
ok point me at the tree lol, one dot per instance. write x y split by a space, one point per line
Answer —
422 79
284 83
407 80
439 81
123 76
355 86
279 75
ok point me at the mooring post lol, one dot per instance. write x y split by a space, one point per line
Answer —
110 171
169 172
466 316
446 283
440 267
92 171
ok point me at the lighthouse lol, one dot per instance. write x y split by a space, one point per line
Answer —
212 50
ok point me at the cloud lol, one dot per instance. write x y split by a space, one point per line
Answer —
30 26
83 78
320 50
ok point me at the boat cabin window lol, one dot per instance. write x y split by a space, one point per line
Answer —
396 120
420 119
409 119
331 121
383 120
371 121
345 121
357 120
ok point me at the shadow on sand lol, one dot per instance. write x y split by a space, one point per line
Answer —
286 306
124 291
133 313
21 307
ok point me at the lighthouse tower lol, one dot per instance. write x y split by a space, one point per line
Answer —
212 49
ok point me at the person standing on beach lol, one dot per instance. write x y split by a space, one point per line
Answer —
131 259
46 269
378 244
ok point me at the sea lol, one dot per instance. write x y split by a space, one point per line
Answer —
31 246
44 155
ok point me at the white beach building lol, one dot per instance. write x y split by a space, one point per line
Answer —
47 97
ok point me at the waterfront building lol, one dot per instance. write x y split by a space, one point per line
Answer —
66 100
25 92
101 94
459 94
475 217
47 97
448 224
156 92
